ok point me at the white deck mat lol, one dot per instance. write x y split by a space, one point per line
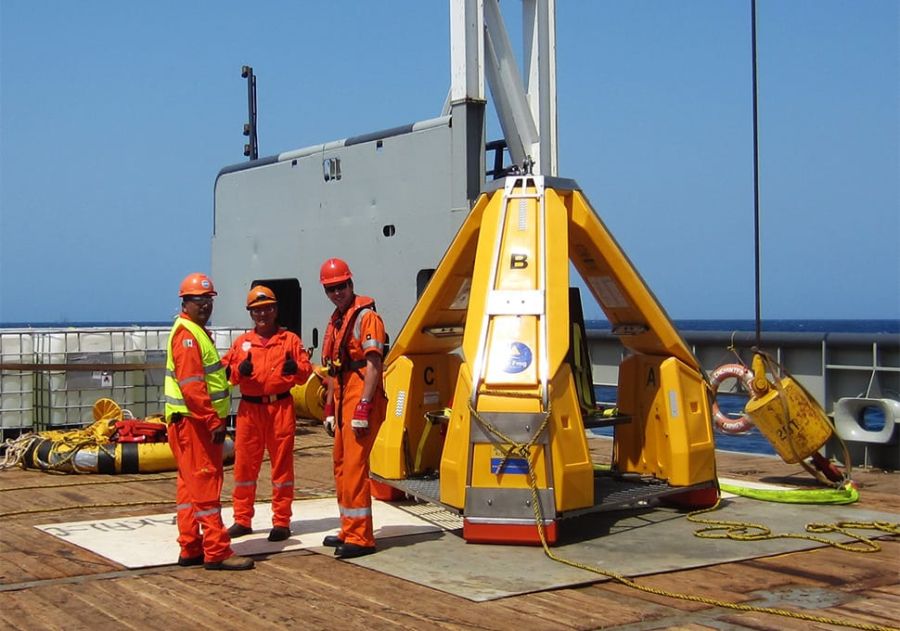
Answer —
152 539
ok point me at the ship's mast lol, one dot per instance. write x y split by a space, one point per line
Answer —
480 47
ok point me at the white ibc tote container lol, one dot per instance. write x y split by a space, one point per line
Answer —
71 394
16 387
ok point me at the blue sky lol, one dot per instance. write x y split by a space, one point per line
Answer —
115 118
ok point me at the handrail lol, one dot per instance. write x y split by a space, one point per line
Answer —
796 338
80 367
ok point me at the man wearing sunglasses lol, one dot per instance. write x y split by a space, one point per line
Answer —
198 401
355 403
266 362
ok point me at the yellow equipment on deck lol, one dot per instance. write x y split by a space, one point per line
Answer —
786 415
487 379
309 398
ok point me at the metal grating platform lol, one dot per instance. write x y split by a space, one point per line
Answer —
611 492
424 489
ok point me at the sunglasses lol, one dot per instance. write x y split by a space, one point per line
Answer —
199 300
330 289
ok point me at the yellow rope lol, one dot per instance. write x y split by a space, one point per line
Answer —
748 531
779 371
523 450
514 448
715 602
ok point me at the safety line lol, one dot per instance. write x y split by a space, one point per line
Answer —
539 521
523 449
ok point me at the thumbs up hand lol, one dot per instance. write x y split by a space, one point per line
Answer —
289 367
246 366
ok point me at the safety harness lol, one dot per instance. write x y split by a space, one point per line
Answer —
344 364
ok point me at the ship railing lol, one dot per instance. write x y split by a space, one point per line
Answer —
854 376
51 377
830 366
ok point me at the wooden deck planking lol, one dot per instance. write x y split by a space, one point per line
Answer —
831 566
314 591
573 608
24 611
142 606
89 608
29 555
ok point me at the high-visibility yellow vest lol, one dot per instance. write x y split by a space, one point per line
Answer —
213 372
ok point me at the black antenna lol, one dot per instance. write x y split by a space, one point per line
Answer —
755 173
251 149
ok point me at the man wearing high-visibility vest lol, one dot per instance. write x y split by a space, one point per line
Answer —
197 403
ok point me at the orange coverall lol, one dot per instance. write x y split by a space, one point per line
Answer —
351 452
268 424
200 475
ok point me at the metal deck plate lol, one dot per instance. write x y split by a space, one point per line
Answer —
610 492
614 493
424 489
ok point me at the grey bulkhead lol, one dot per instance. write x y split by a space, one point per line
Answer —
388 203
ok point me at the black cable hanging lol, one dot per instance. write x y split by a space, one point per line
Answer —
755 174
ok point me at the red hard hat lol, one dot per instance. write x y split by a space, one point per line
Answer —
334 271
197 284
260 295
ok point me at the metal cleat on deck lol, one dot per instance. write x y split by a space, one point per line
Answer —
869 446
497 338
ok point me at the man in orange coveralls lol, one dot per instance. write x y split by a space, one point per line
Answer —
197 402
265 362
352 350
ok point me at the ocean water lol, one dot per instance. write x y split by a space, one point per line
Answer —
731 404
780 326
808 326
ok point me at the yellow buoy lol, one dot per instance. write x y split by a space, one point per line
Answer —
106 410
309 398
786 415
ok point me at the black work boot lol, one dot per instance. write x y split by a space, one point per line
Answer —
236 530
351 551
279 533
190 561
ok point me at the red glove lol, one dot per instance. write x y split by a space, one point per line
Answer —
361 415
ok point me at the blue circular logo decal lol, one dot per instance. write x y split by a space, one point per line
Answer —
519 358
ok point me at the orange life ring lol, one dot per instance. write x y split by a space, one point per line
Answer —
743 374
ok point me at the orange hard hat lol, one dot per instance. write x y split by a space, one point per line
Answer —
197 284
260 295
334 271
